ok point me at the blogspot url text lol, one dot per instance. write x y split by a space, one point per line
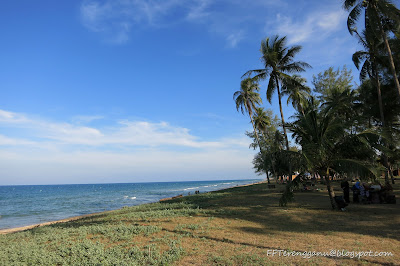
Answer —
331 253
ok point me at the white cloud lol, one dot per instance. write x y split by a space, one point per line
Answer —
116 19
234 38
124 132
6 141
317 25
10 117
199 11
145 165
331 21
60 152
86 118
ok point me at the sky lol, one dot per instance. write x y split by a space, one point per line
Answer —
106 91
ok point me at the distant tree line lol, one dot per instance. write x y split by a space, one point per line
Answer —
338 129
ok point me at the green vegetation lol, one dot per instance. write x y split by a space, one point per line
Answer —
339 130
237 226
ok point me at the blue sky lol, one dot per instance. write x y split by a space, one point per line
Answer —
135 91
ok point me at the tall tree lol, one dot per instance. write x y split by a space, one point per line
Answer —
334 89
247 99
273 142
261 122
368 60
332 81
380 16
278 61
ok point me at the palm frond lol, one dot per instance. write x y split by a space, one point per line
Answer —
353 15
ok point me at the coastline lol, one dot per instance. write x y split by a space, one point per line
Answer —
28 227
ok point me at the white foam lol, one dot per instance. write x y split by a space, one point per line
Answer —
133 197
190 188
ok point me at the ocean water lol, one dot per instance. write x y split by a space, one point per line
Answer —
33 204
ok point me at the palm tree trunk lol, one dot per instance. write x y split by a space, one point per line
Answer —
272 164
392 67
391 173
330 190
258 142
281 110
284 128
255 132
378 88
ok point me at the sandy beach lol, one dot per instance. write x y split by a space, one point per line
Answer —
23 228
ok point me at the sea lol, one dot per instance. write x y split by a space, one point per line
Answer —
32 204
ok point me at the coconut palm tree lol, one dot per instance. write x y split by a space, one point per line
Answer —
278 61
341 104
297 92
261 122
247 99
368 60
322 138
380 16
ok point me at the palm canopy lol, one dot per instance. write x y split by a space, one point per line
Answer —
381 16
376 11
323 139
367 60
247 98
261 119
278 61
370 59
297 92
340 103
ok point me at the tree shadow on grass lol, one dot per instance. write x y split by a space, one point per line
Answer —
311 213
270 248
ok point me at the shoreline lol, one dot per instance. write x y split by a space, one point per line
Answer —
74 218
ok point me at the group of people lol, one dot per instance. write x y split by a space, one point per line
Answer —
366 193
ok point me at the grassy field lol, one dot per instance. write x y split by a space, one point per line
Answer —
238 226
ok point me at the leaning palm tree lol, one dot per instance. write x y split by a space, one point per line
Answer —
278 61
297 92
247 99
380 15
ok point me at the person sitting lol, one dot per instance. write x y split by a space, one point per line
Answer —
364 193
375 192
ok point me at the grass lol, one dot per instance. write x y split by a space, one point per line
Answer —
238 226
